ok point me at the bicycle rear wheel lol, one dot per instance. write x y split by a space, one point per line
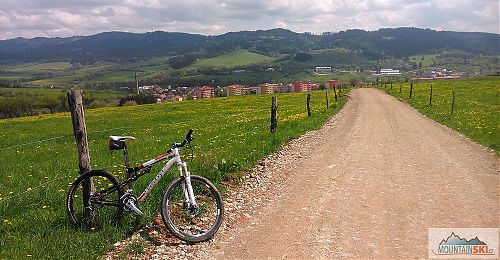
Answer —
102 208
192 223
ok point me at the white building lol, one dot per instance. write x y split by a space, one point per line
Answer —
387 72
323 69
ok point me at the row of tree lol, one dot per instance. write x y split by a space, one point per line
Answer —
19 105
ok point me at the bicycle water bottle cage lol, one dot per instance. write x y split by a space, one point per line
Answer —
118 142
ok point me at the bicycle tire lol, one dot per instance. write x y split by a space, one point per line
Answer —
98 215
182 222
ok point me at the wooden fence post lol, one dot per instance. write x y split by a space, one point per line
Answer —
430 97
452 101
335 93
327 101
274 110
411 89
400 86
80 132
391 84
308 104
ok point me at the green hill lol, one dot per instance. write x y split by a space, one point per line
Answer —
236 58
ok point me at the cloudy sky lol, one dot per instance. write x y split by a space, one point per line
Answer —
50 18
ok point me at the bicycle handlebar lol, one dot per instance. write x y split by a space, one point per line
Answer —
187 140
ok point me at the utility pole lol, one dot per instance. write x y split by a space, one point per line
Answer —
136 83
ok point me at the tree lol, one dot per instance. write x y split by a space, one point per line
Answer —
50 102
303 57
354 82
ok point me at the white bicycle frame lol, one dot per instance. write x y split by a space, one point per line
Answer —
181 168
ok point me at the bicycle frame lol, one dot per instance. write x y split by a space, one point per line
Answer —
181 168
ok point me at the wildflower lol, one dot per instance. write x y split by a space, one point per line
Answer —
28 189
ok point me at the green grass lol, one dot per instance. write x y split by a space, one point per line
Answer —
477 106
323 77
338 56
35 175
427 61
114 76
12 76
235 58
56 91
34 91
41 67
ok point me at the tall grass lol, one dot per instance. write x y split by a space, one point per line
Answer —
39 161
477 106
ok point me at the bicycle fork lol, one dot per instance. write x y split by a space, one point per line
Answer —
187 188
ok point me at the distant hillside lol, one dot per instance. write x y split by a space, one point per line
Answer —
120 46
232 59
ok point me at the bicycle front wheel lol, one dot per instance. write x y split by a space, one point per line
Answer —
192 223
102 207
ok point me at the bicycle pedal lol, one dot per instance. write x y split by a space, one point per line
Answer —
132 207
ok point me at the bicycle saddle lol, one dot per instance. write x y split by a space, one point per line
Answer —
121 138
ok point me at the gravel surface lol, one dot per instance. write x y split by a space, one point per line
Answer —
369 184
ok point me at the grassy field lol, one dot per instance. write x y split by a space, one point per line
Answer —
426 59
477 106
11 76
38 166
55 91
322 78
40 67
277 76
235 58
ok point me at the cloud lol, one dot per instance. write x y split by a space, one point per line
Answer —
32 18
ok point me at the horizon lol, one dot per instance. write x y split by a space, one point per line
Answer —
66 18
277 28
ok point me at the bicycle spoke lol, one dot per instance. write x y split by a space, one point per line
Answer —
194 221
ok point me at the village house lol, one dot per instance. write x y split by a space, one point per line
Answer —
334 82
303 86
268 88
205 92
282 88
235 90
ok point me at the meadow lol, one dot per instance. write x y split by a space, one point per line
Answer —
476 109
39 161
56 91
235 58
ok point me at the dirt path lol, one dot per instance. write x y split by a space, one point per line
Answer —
368 185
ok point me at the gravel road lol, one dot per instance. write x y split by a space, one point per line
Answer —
369 184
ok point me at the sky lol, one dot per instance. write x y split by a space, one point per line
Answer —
63 18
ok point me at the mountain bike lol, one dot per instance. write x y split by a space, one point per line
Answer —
191 207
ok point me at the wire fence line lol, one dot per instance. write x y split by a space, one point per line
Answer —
57 178
32 189
46 183
34 142
108 130
90 132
